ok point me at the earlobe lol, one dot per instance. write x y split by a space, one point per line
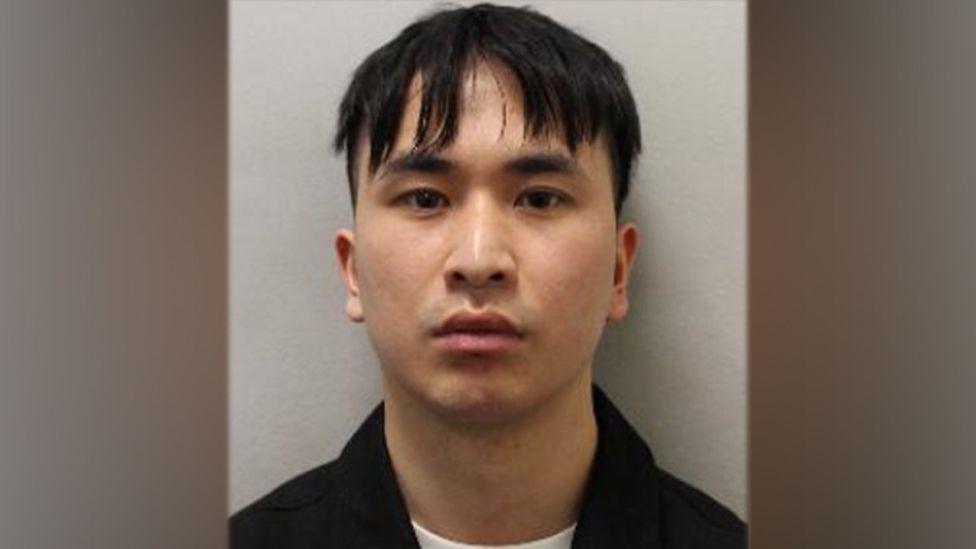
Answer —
345 247
628 240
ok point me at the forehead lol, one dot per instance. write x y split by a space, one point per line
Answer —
490 123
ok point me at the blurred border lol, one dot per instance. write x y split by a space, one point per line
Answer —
113 286
861 274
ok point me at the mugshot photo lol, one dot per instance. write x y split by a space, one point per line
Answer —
487 274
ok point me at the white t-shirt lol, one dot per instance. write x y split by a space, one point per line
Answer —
430 540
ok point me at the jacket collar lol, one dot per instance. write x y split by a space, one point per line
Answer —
620 505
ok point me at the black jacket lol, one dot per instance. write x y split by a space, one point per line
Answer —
354 502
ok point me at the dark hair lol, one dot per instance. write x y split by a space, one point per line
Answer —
567 82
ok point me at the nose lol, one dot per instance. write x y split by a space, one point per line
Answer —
481 255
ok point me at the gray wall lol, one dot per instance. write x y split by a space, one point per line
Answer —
302 378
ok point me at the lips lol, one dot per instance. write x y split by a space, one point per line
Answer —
477 333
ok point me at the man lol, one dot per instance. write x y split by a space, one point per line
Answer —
489 153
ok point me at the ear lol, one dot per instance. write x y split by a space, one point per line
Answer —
628 238
345 247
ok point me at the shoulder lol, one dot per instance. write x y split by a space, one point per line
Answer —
293 510
692 519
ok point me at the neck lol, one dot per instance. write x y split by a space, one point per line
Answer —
494 484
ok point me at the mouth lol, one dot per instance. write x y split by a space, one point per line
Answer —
473 333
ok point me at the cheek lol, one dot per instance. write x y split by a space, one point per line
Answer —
392 271
576 278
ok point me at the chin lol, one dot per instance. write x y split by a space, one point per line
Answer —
472 401
487 401
475 394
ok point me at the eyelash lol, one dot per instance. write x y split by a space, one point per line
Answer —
415 193
555 198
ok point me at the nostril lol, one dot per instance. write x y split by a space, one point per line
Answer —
459 277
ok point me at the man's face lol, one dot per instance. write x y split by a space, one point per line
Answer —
494 226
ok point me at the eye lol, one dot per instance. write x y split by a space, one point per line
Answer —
424 199
540 199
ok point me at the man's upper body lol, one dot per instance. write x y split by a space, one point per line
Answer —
489 151
354 502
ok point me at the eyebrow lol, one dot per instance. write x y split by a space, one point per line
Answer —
544 163
416 162
524 165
